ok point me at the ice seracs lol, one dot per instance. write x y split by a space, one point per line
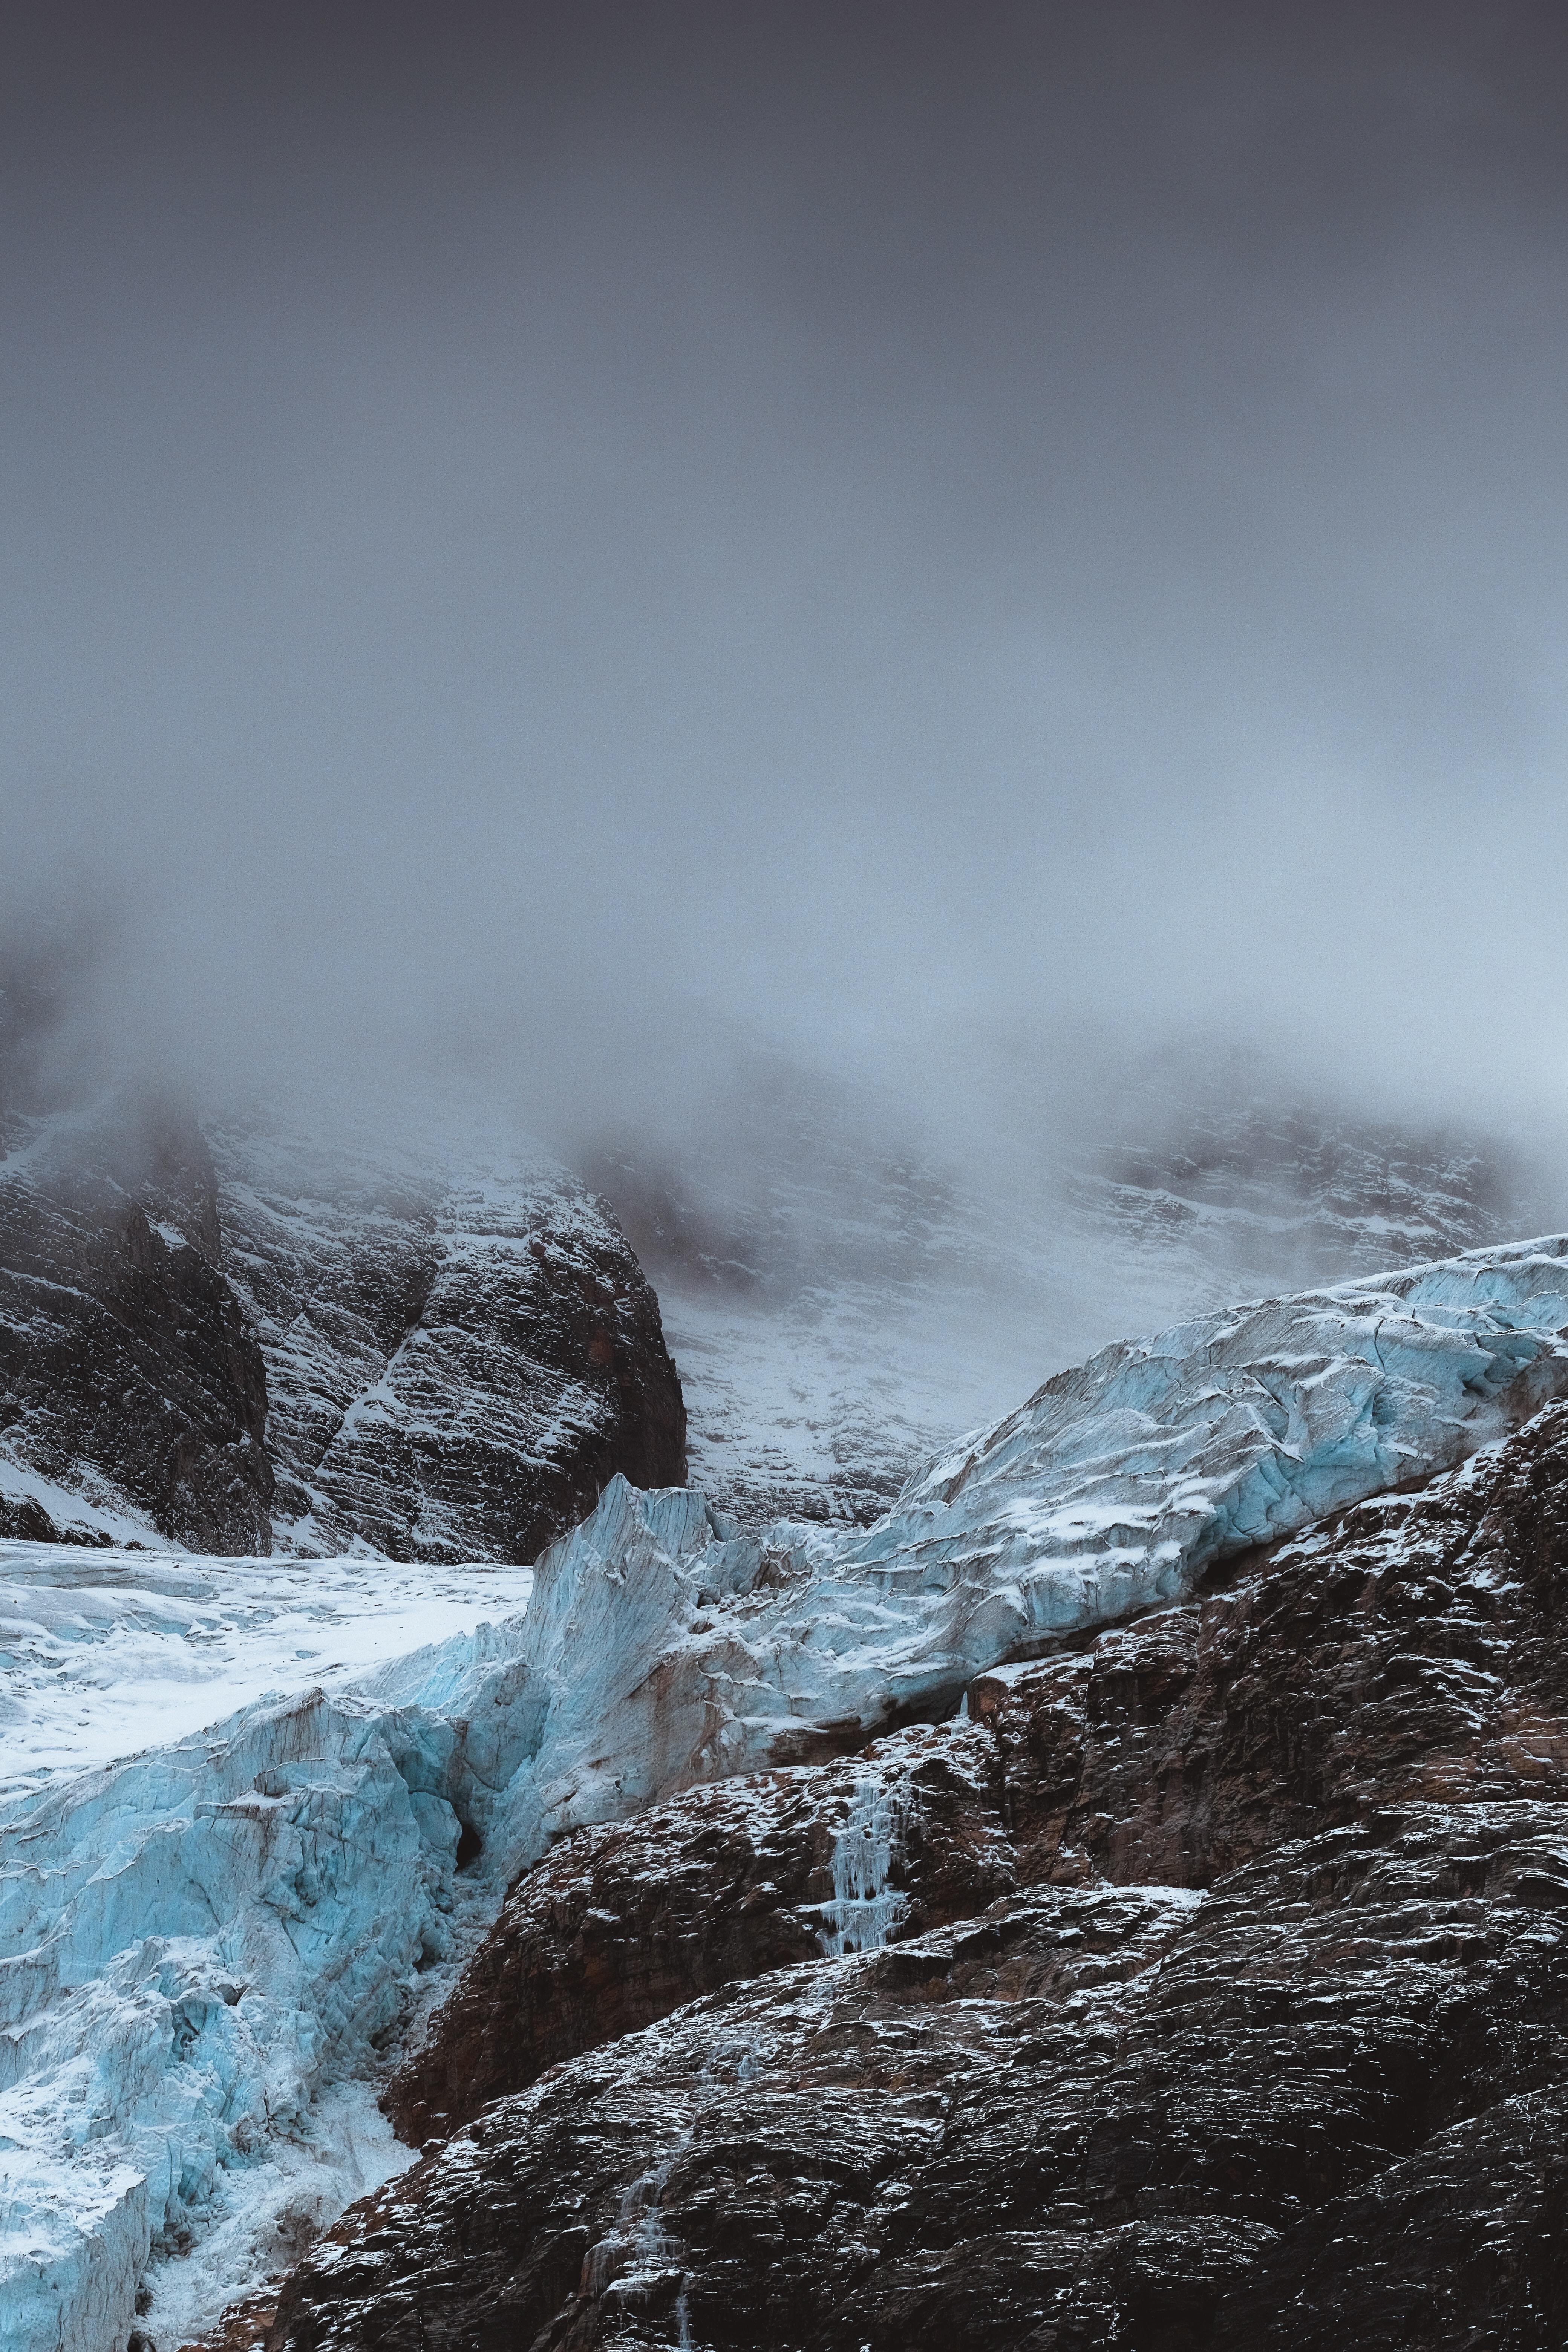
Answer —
198 1944
1110 1490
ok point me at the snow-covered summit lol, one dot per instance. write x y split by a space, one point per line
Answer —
202 1948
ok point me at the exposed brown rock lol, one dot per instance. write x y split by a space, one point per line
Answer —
1263 2048
1323 1681
621 1925
243 2327
1409 1651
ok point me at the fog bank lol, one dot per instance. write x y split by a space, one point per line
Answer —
570 545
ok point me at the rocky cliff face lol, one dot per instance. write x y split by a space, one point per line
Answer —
1204 1986
132 1395
395 1338
461 1349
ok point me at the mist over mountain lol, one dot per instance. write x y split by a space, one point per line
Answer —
783 1176
535 536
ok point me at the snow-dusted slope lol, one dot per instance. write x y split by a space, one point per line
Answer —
132 1397
460 1347
199 1949
843 1298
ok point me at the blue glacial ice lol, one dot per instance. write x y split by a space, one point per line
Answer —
865 1906
206 1946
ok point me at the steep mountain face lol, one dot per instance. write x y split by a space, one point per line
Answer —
132 1393
1204 1986
401 1337
1282 1194
461 1350
845 1299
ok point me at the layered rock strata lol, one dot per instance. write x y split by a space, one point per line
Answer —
1222 2004
461 1348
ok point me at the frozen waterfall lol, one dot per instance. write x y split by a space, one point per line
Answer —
865 1908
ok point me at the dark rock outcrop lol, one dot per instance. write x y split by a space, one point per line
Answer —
461 1346
389 1337
452 1367
622 1924
132 1395
1223 2009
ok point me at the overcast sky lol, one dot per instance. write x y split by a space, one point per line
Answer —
534 530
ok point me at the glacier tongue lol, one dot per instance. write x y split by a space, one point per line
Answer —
1109 1490
198 1944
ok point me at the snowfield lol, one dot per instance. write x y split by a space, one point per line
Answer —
106 1652
204 1950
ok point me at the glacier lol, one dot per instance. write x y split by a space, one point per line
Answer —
206 1949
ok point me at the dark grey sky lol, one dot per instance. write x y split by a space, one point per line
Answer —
551 527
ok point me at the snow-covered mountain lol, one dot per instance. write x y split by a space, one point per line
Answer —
394 1343
392 1332
395 1323
843 1295
204 1949
460 1348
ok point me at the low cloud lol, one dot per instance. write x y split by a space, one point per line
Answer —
576 554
